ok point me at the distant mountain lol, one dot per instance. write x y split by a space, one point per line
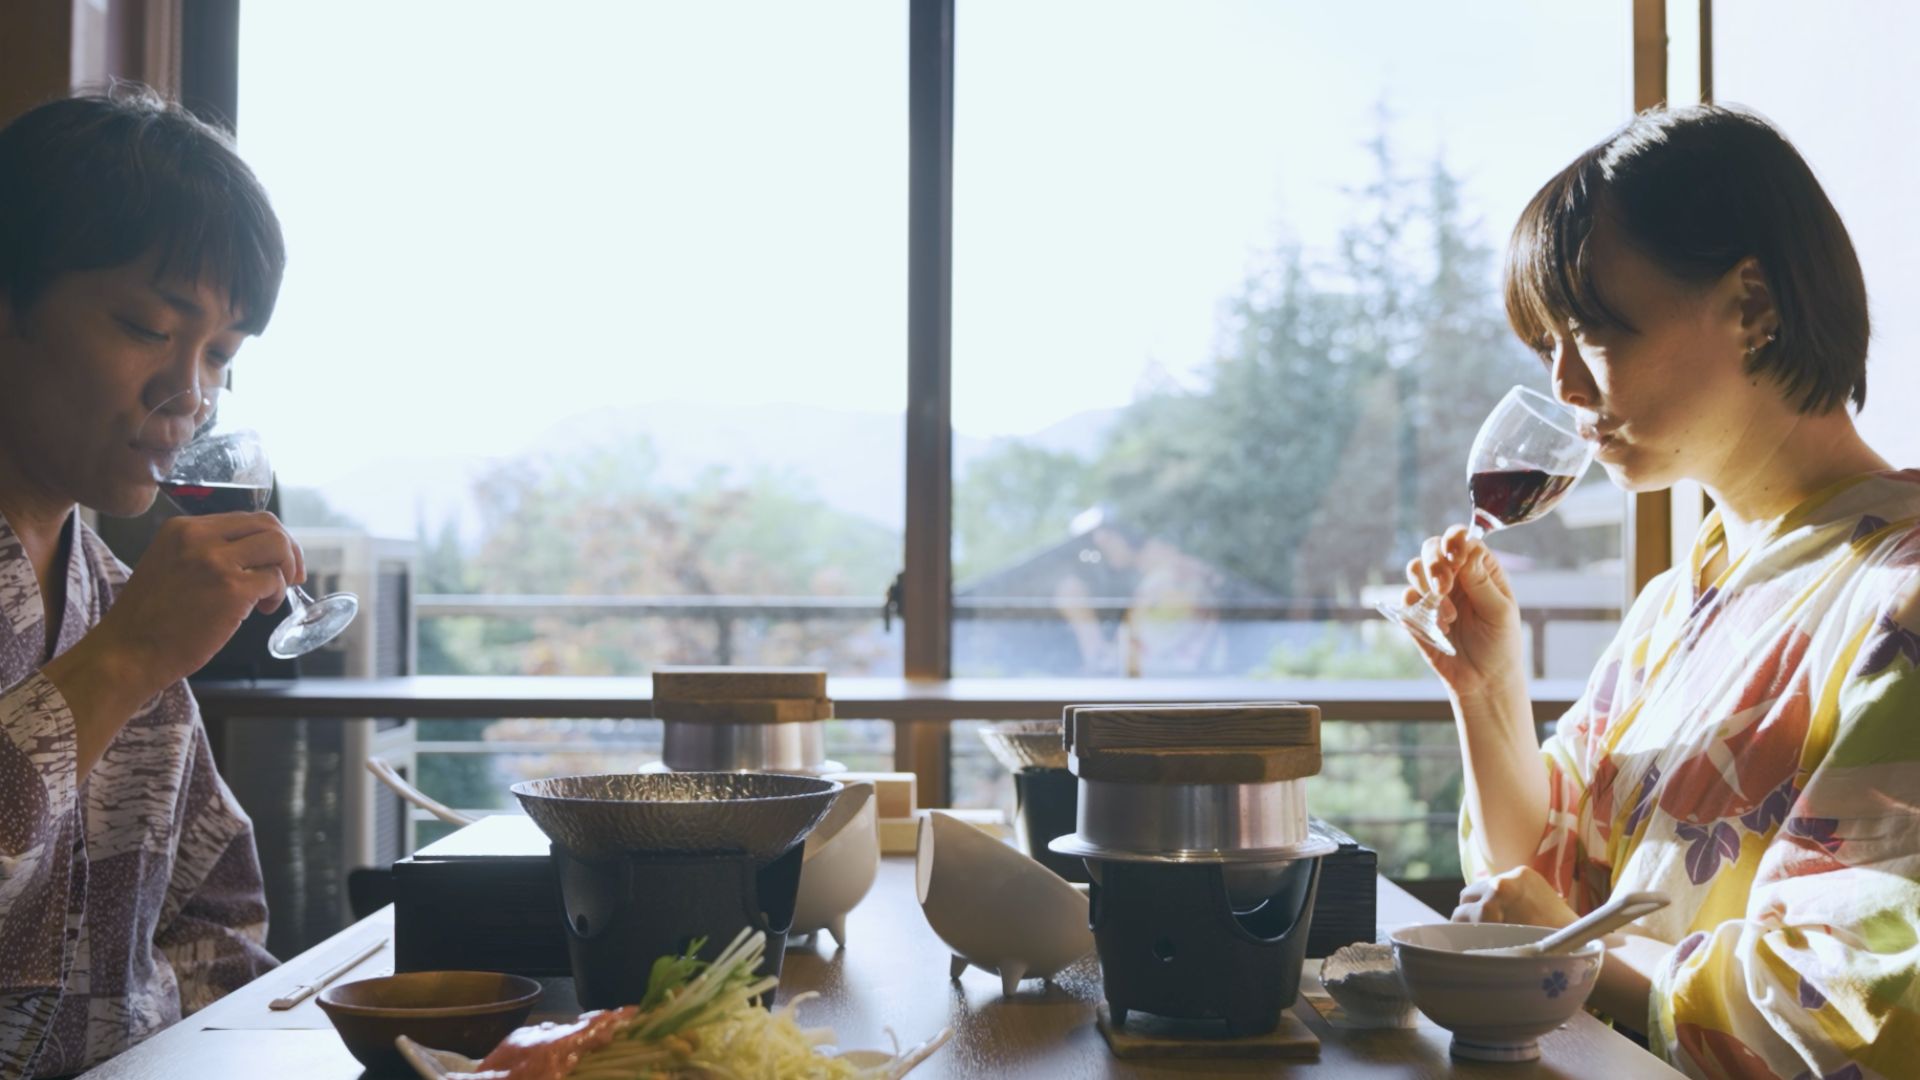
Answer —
1082 434
386 499
853 461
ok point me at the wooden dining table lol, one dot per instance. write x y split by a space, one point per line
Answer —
891 976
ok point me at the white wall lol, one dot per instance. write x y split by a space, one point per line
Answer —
1838 78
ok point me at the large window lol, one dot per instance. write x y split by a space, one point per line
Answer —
598 304
602 307
598 307
1226 318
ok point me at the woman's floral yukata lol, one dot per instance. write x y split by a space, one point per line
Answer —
1751 747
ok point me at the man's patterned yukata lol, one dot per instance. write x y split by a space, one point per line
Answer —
127 899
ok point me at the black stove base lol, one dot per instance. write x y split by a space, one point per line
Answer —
1171 943
622 914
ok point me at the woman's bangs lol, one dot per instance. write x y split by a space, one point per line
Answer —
1549 281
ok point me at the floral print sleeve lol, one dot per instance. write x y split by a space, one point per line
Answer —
1573 852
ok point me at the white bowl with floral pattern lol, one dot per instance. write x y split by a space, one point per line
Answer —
1496 1006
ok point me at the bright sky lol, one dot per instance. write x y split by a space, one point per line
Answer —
503 216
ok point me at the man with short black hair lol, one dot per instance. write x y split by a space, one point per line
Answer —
137 252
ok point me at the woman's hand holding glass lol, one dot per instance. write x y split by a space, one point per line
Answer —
1477 612
1461 612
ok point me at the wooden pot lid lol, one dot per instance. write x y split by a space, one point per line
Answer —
741 695
1237 743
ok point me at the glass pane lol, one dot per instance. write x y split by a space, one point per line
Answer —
599 303
1226 319
1850 129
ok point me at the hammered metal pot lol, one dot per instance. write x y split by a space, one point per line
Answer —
760 815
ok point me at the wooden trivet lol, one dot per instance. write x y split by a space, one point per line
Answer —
1147 1036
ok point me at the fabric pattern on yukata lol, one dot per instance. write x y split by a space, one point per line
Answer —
1751 747
127 899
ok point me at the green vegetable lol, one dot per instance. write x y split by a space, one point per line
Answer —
693 993
672 972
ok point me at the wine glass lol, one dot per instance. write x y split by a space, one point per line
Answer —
1526 457
226 471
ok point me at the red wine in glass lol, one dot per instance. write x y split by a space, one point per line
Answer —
1503 497
202 499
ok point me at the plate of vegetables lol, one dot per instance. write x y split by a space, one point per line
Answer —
699 1020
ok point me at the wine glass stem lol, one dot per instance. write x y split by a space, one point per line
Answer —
297 601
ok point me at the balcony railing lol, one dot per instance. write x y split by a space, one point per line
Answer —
1390 775
726 612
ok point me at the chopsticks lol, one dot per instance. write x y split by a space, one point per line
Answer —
301 993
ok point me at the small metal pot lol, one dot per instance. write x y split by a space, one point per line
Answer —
1192 822
785 748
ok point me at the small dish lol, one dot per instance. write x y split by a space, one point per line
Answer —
1496 1006
996 908
1362 978
468 1011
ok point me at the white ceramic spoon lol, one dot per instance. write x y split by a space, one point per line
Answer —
1611 915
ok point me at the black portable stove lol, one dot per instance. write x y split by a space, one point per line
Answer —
1174 941
1192 821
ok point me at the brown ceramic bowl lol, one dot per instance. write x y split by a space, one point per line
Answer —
468 1012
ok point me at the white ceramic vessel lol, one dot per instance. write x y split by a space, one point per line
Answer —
995 907
1496 1006
841 861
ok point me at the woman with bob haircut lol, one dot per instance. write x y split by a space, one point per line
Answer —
137 252
1750 742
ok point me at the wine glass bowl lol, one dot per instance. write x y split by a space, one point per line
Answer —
220 474
1527 456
